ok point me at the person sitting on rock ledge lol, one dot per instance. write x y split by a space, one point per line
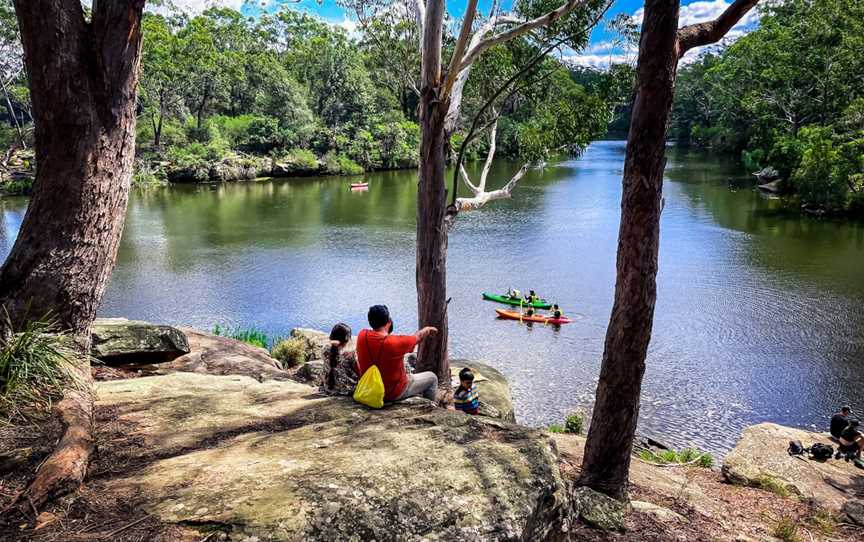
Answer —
340 365
839 421
851 440
379 346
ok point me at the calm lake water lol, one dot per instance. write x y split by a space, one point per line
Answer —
760 315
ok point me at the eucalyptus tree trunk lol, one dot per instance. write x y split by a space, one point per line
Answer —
432 200
83 78
606 462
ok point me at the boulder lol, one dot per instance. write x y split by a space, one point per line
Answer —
767 174
496 400
854 511
311 372
316 342
211 354
661 514
761 456
119 339
596 509
276 461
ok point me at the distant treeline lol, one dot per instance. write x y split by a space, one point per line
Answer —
289 85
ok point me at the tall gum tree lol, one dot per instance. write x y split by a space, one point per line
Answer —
83 77
441 86
606 462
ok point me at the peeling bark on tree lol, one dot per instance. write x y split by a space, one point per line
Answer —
83 78
606 462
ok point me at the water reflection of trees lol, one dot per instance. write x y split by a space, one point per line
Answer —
272 214
780 239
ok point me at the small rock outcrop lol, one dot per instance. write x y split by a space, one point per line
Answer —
119 339
493 389
760 459
276 461
214 355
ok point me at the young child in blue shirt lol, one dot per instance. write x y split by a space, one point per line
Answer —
465 398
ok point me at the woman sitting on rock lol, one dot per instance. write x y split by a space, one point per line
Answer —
340 364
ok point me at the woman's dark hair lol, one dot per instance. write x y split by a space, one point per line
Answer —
342 334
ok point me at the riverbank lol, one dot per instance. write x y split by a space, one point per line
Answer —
220 443
152 169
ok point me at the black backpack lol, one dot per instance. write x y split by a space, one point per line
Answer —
796 448
821 451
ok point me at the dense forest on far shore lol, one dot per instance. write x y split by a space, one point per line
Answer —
789 95
289 94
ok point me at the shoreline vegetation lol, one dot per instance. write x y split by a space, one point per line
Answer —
786 100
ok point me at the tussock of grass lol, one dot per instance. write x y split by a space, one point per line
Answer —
555 428
290 352
772 485
250 335
822 521
36 364
786 529
687 456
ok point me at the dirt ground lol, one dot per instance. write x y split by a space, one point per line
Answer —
714 510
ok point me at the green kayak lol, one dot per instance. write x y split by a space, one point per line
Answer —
539 304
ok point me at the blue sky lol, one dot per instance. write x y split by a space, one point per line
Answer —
602 50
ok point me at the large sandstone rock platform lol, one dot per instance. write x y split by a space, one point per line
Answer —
760 458
274 459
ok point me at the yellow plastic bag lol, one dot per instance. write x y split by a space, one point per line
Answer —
370 388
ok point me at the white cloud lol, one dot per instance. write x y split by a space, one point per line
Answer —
349 25
197 6
696 12
599 61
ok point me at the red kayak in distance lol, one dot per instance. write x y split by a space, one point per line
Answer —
516 315
359 186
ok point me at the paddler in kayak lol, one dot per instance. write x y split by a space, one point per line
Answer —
514 294
531 297
555 312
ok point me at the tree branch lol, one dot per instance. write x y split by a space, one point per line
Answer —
699 34
493 133
461 44
527 26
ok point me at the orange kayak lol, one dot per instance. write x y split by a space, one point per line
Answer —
516 315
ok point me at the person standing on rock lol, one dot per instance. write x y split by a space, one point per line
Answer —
379 346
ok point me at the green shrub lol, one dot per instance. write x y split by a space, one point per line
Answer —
753 160
290 352
786 529
250 335
145 176
555 428
301 160
36 364
574 423
20 186
337 164
687 456
817 179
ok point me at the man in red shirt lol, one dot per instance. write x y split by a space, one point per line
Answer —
378 346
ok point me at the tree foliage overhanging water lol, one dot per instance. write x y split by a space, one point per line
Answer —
787 95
